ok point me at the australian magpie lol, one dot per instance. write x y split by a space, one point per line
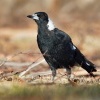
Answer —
57 47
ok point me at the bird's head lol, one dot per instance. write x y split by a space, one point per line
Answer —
42 18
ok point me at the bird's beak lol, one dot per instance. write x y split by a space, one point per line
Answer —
30 16
34 16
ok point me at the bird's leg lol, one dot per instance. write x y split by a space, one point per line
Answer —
70 76
53 73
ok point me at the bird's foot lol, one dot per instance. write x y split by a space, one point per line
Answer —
53 75
71 79
52 80
71 76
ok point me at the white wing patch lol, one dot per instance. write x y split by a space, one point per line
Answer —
50 25
88 64
74 47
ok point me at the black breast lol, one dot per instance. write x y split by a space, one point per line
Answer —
57 46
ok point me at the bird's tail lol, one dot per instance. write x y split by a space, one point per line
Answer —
85 64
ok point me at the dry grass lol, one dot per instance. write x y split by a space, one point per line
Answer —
19 91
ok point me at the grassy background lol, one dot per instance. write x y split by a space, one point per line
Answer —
19 91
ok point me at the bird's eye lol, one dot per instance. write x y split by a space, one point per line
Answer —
38 15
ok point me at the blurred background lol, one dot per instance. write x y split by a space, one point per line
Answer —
79 18
18 48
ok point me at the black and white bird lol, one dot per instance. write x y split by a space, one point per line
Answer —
57 47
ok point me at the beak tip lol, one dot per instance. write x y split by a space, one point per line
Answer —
29 16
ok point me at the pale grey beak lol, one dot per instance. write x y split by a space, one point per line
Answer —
34 16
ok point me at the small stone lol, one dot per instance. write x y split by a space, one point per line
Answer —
9 79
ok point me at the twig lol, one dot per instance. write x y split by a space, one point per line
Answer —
8 74
3 62
10 57
30 67
33 75
33 65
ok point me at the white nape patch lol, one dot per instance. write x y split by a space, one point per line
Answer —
50 25
88 64
74 47
35 16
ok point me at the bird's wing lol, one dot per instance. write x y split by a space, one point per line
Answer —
66 42
62 36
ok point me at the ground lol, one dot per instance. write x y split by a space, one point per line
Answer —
19 49
20 91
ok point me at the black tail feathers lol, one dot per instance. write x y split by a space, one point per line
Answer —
89 67
85 64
